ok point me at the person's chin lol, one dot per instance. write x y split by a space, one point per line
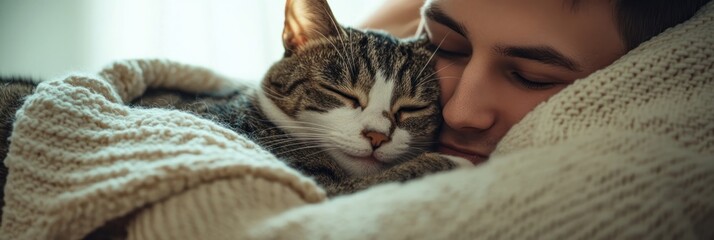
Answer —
473 157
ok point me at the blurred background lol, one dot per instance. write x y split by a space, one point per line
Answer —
239 38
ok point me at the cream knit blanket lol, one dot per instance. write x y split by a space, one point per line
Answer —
627 152
80 157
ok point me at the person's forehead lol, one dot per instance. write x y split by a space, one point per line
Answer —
570 5
588 34
500 12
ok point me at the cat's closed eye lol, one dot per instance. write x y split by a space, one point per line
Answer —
407 111
352 99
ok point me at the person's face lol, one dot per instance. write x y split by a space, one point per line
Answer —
498 59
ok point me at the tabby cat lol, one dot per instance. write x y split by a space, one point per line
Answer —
350 108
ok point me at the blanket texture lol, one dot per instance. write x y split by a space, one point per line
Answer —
80 157
625 153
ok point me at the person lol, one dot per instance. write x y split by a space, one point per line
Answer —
497 60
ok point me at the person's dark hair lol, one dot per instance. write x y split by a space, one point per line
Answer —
639 20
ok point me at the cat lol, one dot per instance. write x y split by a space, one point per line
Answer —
349 108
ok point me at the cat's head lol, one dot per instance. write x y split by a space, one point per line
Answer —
367 99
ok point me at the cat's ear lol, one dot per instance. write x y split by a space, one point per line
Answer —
307 20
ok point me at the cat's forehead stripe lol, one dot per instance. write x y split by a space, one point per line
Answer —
372 54
380 96
398 65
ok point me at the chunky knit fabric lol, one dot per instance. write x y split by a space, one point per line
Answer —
79 157
626 153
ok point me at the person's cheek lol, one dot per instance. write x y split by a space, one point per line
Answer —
527 101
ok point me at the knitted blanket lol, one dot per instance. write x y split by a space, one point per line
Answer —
627 152
80 157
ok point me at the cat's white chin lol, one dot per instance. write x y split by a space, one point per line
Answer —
369 160
359 166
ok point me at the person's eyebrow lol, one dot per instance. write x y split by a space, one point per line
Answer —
435 13
543 54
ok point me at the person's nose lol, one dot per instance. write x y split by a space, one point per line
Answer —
471 106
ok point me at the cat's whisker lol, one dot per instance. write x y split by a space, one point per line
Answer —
344 61
292 142
298 134
426 81
294 136
306 123
306 137
321 151
291 139
296 122
432 56
322 126
429 81
411 153
408 156
274 139
289 144
339 32
435 72
352 52
298 149
306 130
274 148
318 129
309 133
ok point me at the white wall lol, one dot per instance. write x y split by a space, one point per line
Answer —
240 38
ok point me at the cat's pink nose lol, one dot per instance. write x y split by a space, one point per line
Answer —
376 138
